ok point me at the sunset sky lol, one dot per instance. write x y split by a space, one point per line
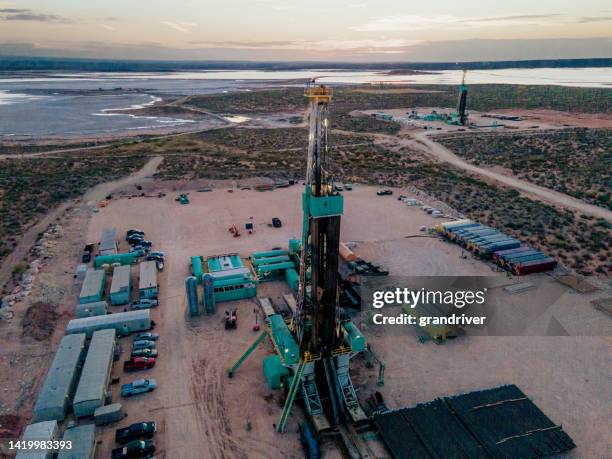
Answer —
357 30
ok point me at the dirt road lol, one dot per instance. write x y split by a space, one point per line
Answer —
423 142
92 196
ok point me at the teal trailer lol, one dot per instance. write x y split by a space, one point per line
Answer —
121 285
128 258
93 286
147 286
197 269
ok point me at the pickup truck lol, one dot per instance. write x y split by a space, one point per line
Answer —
144 353
143 344
146 336
135 431
139 363
143 304
140 386
135 448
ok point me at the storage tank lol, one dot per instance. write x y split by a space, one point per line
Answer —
208 295
196 268
293 279
191 286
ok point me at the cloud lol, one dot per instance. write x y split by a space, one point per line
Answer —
416 22
357 46
589 19
182 27
20 14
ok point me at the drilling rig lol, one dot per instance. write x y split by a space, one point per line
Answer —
462 101
318 342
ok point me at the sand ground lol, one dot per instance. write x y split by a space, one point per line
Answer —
202 413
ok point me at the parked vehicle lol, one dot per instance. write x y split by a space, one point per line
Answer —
146 336
159 265
384 192
144 304
89 247
145 243
231 319
276 223
135 448
348 186
152 257
135 432
86 258
143 344
158 253
139 363
135 239
144 353
134 231
140 386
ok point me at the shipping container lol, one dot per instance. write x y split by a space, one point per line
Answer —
109 414
535 266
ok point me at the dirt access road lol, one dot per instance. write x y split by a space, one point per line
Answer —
90 198
423 142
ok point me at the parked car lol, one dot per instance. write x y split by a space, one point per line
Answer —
146 336
135 448
140 386
135 432
276 223
134 231
86 258
143 304
89 247
153 257
145 243
143 344
139 363
384 192
348 186
144 353
135 239
159 265
158 253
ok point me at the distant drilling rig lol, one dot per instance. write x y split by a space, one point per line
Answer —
317 344
462 102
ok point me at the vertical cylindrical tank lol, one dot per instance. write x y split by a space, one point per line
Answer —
196 268
294 246
191 286
208 296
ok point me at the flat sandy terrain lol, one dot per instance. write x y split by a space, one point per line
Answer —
201 413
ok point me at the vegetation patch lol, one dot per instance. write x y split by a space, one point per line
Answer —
577 162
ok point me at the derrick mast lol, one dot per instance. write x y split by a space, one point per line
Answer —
462 101
317 297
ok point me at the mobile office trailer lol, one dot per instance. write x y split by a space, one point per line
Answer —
121 285
93 286
82 440
486 250
108 242
59 385
513 256
147 284
46 431
501 254
123 322
128 258
92 389
98 308
526 258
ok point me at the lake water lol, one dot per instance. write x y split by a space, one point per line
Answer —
65 104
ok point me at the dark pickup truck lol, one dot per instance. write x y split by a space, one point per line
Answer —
135 448
135 431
